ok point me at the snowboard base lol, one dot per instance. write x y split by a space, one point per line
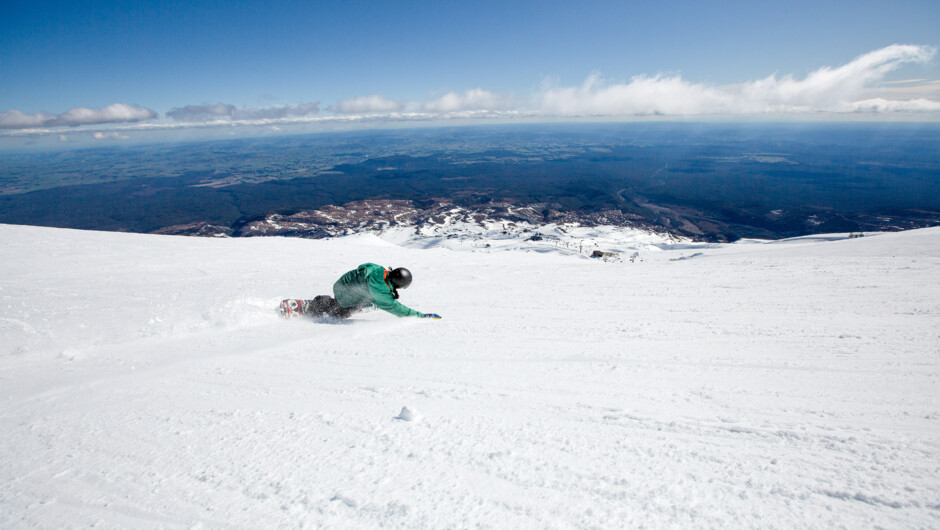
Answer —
293 308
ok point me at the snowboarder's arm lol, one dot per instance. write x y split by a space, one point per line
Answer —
387 303
383 299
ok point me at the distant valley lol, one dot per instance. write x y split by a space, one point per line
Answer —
708 182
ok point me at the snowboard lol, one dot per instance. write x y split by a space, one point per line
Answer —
320 307
292 307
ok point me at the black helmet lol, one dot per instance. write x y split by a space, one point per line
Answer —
400 278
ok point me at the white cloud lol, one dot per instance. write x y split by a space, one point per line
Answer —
115 113
278 112
281 111
881 105
858 87
201 112
641 96
475 99
14 119
111 135
834 89
222 111
909 89
825 90
850 88
374 104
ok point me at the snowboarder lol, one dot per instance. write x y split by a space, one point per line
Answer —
357 289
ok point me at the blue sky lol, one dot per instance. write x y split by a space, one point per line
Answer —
67 65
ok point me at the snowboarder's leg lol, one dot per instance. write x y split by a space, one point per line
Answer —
327 305
320 305
338 311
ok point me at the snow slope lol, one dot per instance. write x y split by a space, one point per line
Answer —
148 383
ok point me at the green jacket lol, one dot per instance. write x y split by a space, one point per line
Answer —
366 285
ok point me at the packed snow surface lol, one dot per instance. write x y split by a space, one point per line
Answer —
148 382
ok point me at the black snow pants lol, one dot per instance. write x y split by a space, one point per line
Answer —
327 305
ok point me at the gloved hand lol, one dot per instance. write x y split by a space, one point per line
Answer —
431 315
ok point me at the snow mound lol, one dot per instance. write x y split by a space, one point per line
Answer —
407 414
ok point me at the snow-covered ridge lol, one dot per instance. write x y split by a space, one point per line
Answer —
494 226
500 225
379 214
147 382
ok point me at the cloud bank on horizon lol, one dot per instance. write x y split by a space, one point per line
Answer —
115 113
219 111
828 90
856 87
